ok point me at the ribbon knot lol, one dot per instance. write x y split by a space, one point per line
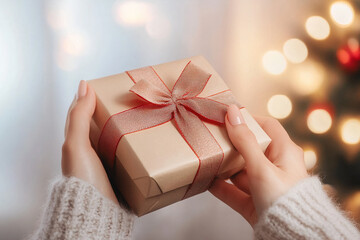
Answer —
184 94
181 104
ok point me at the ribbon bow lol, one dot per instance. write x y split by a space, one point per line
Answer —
181 104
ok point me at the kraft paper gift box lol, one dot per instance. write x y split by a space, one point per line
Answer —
155 163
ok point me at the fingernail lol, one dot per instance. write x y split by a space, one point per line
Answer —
82 89
234 115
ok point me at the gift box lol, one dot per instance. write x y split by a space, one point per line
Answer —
160 132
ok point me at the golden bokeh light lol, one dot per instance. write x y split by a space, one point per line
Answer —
310 158
353 44
350 131
319 121
307 78
132 13
317 27
274 62
279 106
342 13
73 44
295 50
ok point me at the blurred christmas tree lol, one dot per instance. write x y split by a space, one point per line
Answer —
325 108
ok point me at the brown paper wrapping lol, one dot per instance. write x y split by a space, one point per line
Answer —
154 167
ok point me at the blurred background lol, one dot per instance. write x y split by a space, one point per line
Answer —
298 61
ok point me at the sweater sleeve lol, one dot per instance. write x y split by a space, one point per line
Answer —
76 210
305 212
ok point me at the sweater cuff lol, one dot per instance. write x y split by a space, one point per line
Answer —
305 212
76 210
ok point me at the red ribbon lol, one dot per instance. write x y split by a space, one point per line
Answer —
181 104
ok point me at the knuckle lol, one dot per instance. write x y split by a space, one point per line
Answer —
297 150
73 113
67 147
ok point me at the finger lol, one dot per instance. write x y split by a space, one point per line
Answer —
80 115
244 140
282 151
234 198
273 128
241 181
67 116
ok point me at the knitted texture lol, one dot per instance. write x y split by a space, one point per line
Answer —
76 210
305 212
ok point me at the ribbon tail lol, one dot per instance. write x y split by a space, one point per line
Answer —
129 121
205 147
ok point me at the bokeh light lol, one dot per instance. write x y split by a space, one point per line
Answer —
274 62
133 13
350 131
317 27
73 44
319 121
295 50
342 13
352 205
353 44
343 56
307 78
279 106
310 158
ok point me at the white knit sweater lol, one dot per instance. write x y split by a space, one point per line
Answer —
305 212
76 210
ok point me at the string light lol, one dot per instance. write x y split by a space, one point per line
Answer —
319 121
342 13
295 50
132 13
317 27
308 77
279 106
350 131
274 62
310 158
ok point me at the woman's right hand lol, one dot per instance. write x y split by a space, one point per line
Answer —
266 176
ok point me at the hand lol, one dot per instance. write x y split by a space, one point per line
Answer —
267 176
79 159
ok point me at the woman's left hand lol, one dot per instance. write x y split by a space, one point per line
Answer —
79 159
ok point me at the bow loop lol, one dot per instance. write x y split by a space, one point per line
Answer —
191 82
151 93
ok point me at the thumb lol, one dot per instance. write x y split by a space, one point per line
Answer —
80 114
244 140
